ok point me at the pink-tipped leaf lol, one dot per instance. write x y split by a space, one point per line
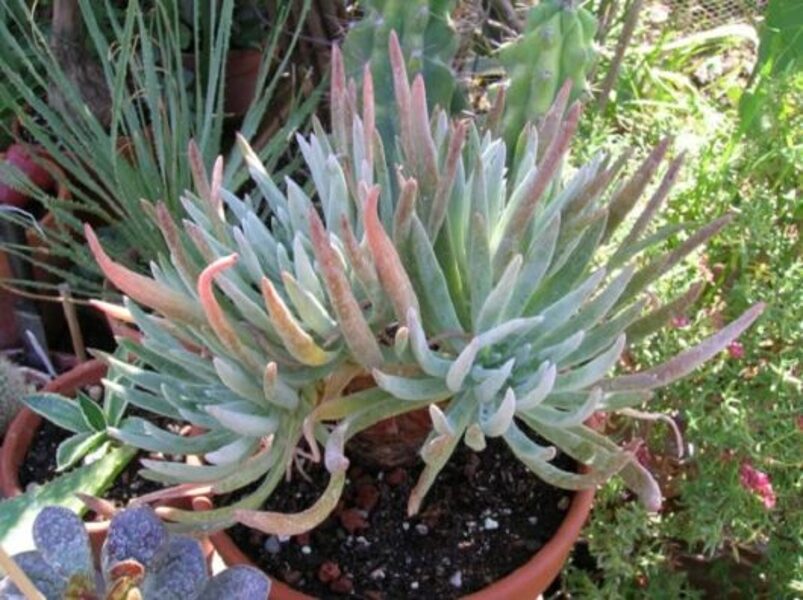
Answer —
141 289
389 266
297 341
353 326
685 362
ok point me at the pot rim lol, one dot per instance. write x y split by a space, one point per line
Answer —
59 175
524 583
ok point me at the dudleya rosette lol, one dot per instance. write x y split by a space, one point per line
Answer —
499 298
139 560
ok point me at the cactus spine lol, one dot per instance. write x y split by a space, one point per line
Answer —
12 389
556 45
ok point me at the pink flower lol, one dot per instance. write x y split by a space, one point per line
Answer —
644 456
736 350
758 482
680 321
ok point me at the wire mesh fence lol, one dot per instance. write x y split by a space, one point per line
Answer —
690 16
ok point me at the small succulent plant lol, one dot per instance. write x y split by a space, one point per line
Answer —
139 560
84 418
498 301
557 45
12 389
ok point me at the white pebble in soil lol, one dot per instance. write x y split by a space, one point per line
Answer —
414 585
456 580
422 529
490 524
306 550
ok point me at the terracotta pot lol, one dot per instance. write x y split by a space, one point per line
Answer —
23 428
525 583
9 333
242 70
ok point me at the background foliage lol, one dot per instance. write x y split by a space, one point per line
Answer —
736 111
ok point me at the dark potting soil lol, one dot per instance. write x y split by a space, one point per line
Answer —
485 516
39 465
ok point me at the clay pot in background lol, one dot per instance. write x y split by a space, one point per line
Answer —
242 70
49 177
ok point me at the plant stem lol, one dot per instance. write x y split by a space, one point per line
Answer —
72 322
509 14
65 18
631 20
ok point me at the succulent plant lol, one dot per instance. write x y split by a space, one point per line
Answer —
428 42
138 560
86 419
13 388
557 45
500 302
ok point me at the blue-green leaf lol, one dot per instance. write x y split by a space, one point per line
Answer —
58 409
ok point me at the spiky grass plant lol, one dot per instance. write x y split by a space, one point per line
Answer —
499 301
140 156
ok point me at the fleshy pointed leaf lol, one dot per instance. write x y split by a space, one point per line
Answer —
389 266
144 290
685 362
352 323
499 422
297 341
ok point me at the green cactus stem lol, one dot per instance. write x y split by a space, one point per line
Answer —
428 41
556 45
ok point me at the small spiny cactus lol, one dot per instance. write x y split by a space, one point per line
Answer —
12 388
556 45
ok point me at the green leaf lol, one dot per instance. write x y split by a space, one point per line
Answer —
406 388
92 413
242 418
76 447
146 436
58 409
437 308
